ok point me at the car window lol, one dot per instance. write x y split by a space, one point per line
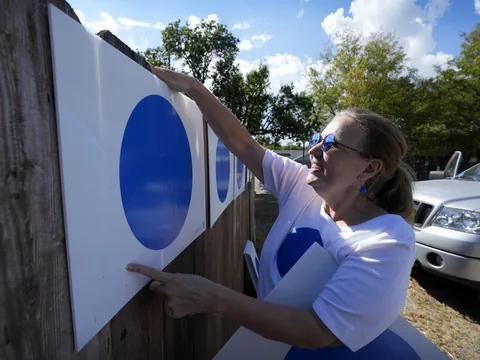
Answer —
471 174
452 166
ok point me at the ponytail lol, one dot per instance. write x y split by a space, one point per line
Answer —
394 194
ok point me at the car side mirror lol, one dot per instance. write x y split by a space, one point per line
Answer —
436 175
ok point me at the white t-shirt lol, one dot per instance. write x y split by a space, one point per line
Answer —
368 291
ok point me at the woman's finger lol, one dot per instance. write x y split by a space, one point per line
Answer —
172 310
158 287
153 273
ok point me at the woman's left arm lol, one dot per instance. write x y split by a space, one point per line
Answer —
296 327
187 294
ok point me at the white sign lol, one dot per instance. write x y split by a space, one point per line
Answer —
299 288
253 263
240 177
132 168
221 174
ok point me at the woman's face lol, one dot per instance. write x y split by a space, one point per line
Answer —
340 169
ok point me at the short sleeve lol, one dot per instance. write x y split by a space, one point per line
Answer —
282 175
368 291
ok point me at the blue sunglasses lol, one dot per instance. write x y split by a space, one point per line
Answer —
329 142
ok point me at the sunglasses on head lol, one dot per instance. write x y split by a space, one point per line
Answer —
328 142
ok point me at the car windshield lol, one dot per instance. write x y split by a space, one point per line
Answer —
471 174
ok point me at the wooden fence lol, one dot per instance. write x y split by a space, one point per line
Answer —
35 315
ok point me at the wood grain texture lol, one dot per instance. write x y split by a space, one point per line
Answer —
179 333
35 314
36 321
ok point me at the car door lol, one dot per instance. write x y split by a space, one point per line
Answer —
451 169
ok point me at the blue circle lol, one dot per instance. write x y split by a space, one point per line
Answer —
388 345
156 173
296 243
239 174
223 170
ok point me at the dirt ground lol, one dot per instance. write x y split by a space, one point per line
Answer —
447 313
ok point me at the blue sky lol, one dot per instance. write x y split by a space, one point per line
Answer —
289 34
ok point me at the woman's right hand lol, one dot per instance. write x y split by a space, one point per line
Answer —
221 120
175 81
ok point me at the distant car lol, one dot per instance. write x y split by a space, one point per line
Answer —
446 222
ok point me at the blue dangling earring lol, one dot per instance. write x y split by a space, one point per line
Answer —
363 190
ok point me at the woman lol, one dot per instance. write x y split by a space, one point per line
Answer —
353 201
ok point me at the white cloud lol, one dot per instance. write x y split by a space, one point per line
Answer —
158 25
284 69
195 20
300 13
81 15
256 40
412 24
123 24
435 9
130 23
245 45
241 26
477 6
141 43
109 23
260 39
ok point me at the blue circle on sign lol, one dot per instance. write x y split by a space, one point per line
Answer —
223 170
156 172
388 345
239 173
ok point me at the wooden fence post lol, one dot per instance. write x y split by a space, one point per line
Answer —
35 321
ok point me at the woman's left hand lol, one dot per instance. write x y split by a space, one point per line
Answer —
185 294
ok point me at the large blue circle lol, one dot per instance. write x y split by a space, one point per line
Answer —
223 170
239 174
155 173
388 345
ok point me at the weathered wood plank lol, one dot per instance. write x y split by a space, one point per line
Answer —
34 294
137 330
179 333
118 44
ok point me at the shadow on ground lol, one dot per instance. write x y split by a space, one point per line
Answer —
453 294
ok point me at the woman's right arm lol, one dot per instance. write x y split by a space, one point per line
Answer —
229 129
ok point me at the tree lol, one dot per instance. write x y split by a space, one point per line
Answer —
292 113
286 114
208 52
455 95
228 85
197 47
371 74
468 63
158 57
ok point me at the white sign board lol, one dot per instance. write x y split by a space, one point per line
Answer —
253 263
299 288
132 168
240 177
221 174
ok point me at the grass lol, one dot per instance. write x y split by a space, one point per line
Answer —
447 313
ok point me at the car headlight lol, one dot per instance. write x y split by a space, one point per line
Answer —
458 219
